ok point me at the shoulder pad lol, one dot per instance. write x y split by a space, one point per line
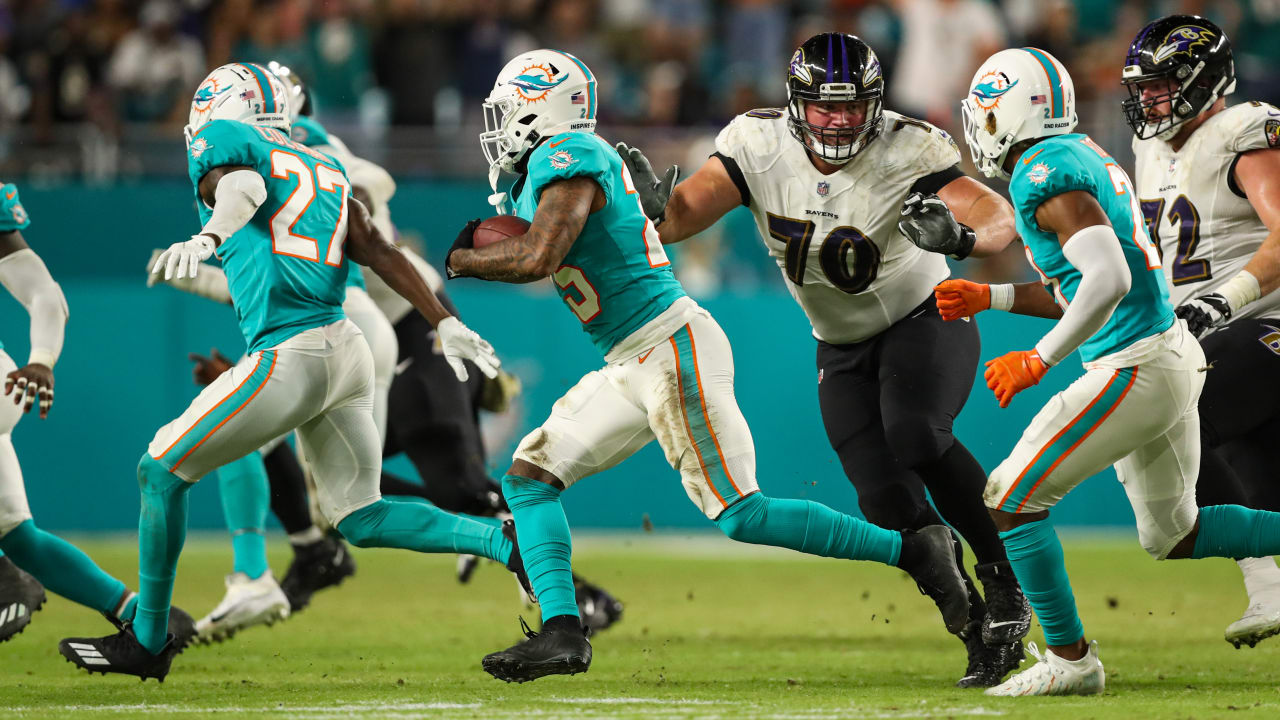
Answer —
917 146
1249 126
573 154
755 139
1051 168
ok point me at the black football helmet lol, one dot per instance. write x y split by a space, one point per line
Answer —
298 91
835 67
1194 55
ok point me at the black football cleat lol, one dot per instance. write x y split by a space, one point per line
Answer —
987 664
1008 612
515 563
561 648
119 653
322 564
928 556
182 627
598 609
20 596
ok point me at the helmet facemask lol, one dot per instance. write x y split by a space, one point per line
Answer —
835 145
506 138
1188 96
987 149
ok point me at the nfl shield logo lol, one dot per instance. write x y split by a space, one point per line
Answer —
824 187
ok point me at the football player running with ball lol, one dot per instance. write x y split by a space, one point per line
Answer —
280 217
1209 181
668 371
1135 406
825 180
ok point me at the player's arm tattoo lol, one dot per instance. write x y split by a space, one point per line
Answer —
365 245
562 213
209 183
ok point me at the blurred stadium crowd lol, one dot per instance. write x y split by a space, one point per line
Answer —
96 90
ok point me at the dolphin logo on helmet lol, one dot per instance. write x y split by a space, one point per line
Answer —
536 82
987 93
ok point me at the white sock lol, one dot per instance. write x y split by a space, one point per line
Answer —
1260 574
306 537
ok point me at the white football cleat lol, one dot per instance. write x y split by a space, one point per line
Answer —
1052 675
1260 621
247 603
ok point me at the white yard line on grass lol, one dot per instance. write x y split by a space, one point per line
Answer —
649 708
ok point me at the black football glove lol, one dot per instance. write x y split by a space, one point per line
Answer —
928 223
464 241
1204 313
654 193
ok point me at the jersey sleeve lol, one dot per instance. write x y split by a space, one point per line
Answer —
1252 126
218 144
571 155
749 145
1049 170
12 215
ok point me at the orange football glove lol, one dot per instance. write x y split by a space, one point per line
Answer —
1014 372
961 299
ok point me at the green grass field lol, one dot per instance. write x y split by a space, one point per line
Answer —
712 630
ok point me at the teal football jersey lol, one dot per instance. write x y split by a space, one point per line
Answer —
616 277
12 215
308 131
285 270
1075 162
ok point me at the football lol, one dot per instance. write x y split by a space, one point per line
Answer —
497 229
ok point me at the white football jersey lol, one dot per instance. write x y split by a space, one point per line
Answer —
1205 227
835 237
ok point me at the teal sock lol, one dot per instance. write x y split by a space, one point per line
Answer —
1036 557
809 527
246 496
492 521
1233 531
424 528
546 546
62 567
162 529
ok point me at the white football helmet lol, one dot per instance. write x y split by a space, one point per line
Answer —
537 95
299 96
1016 95
243 92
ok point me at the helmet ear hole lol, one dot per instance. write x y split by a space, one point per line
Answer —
991 123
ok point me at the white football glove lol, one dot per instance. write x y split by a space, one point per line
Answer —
184 257
459 342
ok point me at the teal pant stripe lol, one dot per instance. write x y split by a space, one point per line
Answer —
173 456
700 429
1055 81
1081 426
